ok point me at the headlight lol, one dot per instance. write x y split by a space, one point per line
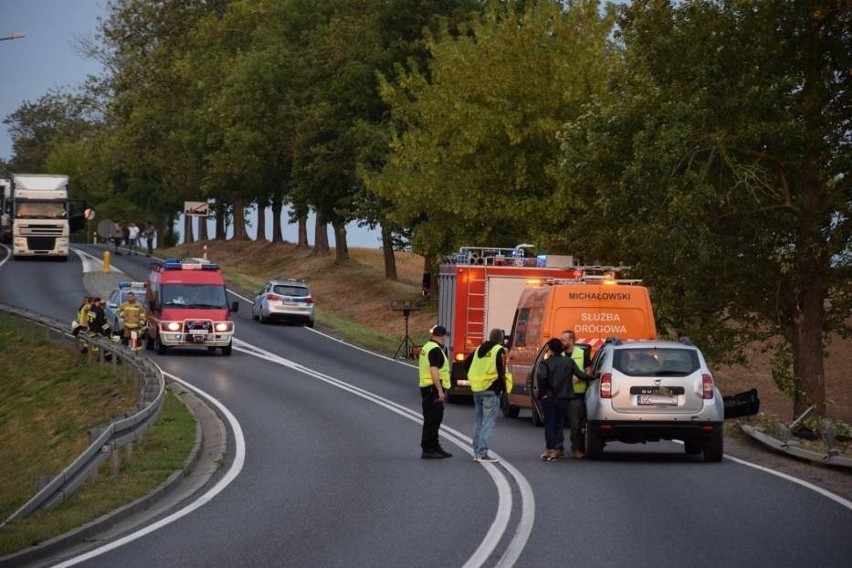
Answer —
172 326
223 326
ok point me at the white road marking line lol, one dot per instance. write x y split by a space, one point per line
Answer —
232 473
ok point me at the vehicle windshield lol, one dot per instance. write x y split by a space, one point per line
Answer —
40 210
656 362
194 296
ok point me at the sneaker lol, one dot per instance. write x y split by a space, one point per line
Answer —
577 454
431 456
444 453
550 456
486 459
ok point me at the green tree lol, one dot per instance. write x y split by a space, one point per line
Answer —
721 171
36 128
474 145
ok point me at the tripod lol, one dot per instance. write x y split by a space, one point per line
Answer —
406 345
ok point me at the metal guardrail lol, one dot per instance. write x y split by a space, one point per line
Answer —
121 432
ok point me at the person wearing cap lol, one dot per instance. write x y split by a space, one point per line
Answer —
555 391
488 378
434 373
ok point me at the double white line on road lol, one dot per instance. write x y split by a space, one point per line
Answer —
498 472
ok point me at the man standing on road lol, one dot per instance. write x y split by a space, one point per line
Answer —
434 373
149 233
133 315
488 377
577 403
555 390
132 239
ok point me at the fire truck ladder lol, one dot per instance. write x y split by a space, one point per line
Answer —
475 327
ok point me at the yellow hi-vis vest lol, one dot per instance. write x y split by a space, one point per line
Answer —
483 371
83 315
423 364
579 357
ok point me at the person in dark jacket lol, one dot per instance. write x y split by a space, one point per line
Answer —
555 391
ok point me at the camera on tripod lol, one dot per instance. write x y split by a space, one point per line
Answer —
406 346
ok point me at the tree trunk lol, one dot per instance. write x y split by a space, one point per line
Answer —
431 268
807 320
341 247
221 228
303 232
261 221
277 210
387 253
321 236
240 233
202 228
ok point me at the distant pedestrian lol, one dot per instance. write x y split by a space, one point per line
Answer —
434 373
150 232
488 378
132 239
117 237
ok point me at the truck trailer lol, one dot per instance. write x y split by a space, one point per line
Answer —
42 216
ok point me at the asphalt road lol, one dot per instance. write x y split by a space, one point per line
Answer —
331 475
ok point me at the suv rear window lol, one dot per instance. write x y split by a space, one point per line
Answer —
656 362
287 290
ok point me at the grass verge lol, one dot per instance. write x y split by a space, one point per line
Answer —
51 400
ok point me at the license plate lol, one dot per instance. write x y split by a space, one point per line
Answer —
286 303
650 399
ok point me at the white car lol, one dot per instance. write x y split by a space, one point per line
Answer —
654 390
284 300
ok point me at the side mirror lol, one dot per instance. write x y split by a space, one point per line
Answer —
235 307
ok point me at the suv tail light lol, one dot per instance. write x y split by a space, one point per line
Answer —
706 386
308 300
606 385
273 297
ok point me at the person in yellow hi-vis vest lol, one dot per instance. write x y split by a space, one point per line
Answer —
133 315
488 378
434 373
577 404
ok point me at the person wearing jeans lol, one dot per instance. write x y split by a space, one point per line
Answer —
488 378
555 391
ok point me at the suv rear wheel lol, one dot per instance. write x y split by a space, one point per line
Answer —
714 449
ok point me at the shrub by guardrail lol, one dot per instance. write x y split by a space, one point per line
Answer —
105 442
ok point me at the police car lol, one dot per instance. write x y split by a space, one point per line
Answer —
118 297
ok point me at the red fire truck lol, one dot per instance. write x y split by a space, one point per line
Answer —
479 288
187 306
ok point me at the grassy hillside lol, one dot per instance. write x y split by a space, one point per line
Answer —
352 299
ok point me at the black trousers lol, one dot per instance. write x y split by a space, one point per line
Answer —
577 421
433 415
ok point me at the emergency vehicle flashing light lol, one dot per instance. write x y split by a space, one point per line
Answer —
180 264
129 284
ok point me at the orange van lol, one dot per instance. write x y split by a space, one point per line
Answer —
595 307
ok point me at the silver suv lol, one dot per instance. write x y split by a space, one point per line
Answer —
654 390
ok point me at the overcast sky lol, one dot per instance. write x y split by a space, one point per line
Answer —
46 57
